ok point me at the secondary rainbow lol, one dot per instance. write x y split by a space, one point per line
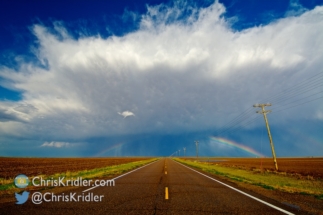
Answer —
237 145
115 146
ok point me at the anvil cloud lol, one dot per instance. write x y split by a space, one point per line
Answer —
175 73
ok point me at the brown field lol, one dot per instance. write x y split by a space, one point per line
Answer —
10 167
300 167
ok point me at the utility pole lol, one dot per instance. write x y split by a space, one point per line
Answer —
197 148
264 112
184 151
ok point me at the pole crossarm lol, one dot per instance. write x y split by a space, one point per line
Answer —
262 105
261 112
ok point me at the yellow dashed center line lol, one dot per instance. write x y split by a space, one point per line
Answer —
166 192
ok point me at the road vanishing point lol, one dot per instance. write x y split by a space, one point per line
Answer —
162 187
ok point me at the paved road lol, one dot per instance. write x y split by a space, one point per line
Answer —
144 192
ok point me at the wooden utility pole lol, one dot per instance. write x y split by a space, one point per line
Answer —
264 112
197 148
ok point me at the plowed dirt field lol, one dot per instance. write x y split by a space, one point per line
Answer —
10 167
300 167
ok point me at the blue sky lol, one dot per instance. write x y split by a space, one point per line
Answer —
150 77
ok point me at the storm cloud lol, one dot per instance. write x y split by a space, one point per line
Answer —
175 74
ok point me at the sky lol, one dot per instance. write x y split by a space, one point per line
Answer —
149 78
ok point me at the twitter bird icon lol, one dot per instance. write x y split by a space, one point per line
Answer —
21 198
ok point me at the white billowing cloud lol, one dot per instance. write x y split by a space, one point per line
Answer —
56 144
295 8
175 75
126 113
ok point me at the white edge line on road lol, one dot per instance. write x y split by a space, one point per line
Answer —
121 175
246 194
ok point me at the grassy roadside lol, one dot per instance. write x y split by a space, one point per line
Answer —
266 180
7 186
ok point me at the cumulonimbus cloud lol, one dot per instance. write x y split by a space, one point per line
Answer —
190 74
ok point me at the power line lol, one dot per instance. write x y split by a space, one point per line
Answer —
302 88
300 104
236 121
242 125
299 99
295 87
296 93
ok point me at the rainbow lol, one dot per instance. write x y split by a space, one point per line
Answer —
115 146
314 141
237 145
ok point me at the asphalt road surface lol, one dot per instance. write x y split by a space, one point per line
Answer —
162 187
